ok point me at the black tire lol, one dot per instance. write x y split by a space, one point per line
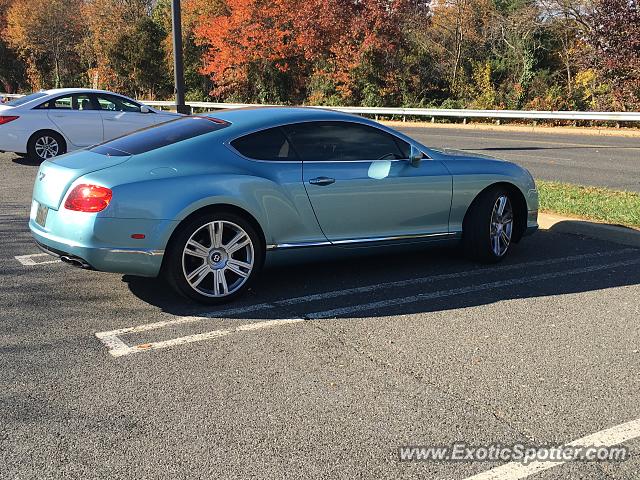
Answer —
47 136
477 227
175 272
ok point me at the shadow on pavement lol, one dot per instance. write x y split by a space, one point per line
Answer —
26 161
435 279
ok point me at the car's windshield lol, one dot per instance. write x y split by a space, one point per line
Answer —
159 136
27 98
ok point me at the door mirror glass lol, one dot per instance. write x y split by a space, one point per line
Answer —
144 109
415 156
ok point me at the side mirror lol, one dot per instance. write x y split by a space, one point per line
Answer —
144 109
415 156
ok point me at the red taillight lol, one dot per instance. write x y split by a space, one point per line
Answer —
88 198
7 118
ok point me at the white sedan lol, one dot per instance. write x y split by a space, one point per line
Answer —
52 122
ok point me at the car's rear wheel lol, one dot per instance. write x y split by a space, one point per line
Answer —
488 226
45 145
214 258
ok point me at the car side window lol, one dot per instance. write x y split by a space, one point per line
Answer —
79 101
82 102
270 144
114 103
60 103
344 141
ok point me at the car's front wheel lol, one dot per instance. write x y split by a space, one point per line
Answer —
45 145
488 226
214 257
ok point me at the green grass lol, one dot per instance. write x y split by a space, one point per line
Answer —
593 203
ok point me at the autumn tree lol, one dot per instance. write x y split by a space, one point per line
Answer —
12 69
46 36
459 34
616 40
197 84
251 52
138 57
107 21
330 51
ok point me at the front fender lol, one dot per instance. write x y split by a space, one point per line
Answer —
472 176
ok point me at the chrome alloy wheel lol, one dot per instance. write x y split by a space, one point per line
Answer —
501 226
46 147
218 259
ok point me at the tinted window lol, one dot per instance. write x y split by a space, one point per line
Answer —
60 103
344 141
268 144
27 98
79 101
159 136
117 104
82 102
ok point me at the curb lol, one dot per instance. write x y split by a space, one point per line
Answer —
600 231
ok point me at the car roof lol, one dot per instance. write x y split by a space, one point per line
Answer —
57 91
254 118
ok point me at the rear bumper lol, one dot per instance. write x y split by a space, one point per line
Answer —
65 257
13 139
132 261
104 244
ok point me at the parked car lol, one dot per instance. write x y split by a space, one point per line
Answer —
52 122
202 200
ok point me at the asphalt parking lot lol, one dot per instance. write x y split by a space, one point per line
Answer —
322 371
573 157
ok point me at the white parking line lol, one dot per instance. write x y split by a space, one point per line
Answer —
469 289
450 276
118 348
365 289
604 438
28 260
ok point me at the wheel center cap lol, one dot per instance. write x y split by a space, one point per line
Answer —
217 258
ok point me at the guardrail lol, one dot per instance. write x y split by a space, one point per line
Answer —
447 113
433 112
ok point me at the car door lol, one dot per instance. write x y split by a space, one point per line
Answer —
121 115
362 186
77 118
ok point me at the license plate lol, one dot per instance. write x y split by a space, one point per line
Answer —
41 215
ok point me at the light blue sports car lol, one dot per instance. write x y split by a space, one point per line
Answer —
204 200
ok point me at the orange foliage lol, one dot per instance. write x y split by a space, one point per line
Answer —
329 38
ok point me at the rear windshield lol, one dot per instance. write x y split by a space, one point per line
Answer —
159 136
16 102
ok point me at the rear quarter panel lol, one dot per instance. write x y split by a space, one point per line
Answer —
171 183
15 135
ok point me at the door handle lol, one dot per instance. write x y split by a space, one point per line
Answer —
322 181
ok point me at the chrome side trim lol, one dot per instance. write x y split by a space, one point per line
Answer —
277 246
394 238
353 241
152 253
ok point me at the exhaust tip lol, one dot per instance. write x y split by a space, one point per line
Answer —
76 262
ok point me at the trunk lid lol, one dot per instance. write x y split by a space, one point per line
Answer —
54 177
